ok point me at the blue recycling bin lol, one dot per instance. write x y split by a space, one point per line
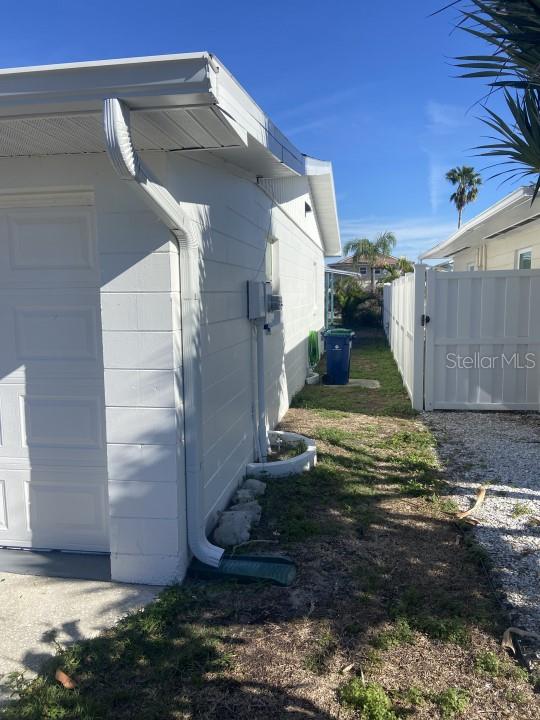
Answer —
338 343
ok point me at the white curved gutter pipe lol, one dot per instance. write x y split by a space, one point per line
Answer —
128 165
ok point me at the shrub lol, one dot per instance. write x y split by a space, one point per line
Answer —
451 702
363 309
369 699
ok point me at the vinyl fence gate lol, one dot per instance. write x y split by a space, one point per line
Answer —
466 340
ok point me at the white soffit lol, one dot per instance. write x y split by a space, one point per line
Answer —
169 129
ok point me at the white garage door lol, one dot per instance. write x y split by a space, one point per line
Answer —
53 482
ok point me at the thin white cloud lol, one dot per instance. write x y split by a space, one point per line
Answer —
444 142
446 119
314 106
312 125
437 183
414 235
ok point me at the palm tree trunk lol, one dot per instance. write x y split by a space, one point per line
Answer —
372 279
460 210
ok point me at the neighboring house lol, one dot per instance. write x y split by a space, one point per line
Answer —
506 236
137 199
363 267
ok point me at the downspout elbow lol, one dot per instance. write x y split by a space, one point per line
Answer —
128 166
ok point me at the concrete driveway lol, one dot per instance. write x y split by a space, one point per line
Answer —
37 612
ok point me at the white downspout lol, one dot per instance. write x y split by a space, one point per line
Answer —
261 393
129 167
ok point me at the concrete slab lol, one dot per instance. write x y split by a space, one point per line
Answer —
369 384
55 563
37 612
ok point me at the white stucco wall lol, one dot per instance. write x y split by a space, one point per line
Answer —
234 220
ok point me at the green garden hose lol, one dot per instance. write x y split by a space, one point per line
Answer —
313 348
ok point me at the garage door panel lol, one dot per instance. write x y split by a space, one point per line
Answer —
56 334
61 422
46 246
3 506
54 508
64 427
59 513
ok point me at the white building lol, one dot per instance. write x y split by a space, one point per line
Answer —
506 236
137 199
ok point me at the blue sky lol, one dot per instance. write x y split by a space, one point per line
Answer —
367 85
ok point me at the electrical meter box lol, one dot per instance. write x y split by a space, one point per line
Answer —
257 301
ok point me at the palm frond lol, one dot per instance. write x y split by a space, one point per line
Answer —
511 29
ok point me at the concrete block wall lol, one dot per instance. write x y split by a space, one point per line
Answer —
233 219
140 308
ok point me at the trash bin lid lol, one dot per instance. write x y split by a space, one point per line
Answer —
338 331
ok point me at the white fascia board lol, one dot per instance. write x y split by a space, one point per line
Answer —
486 223
234 101
323 194
150 82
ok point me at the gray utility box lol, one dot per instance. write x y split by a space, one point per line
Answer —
261 301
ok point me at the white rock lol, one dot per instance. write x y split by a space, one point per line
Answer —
257 487
253 509
233 528
243 496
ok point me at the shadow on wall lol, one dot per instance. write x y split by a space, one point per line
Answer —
64 441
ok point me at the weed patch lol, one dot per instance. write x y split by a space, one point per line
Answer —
324 647
451 702
369 699
400 634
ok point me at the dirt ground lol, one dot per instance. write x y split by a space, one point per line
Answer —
391 598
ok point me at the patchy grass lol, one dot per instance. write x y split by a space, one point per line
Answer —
452 702
380 563
400 633
488 662
521 509
323 647
370 700
499 665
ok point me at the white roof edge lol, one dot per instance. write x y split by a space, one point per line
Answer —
80 64
321 184
439 250
82 86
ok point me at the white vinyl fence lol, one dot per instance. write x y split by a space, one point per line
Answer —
467 340
403 306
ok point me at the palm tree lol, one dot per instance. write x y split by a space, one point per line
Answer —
512 29
393 272
467 181
405 265
370 251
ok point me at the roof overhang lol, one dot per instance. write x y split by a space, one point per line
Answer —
186 102
512 212
321 188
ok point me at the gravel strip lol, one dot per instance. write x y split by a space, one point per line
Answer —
501 450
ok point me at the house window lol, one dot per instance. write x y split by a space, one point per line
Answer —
471 267
524 259
363 271
377 271
272 263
